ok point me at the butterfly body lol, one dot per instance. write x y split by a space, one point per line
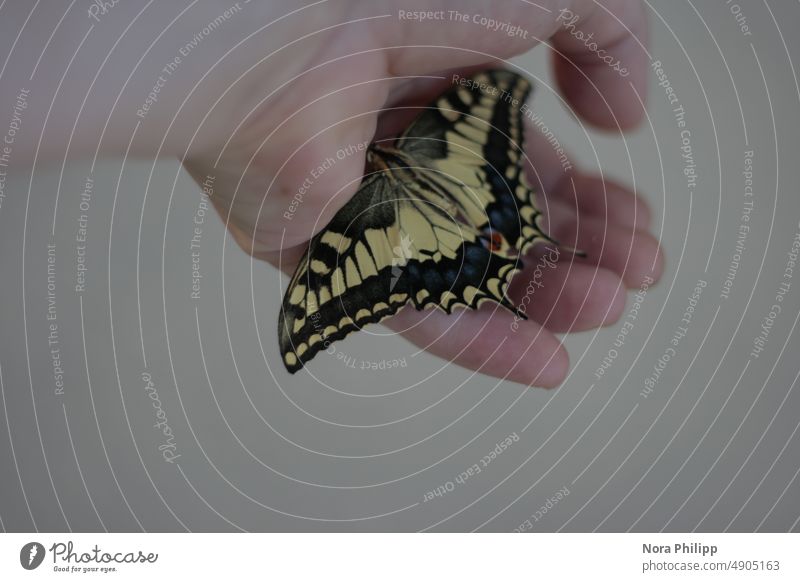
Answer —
441 220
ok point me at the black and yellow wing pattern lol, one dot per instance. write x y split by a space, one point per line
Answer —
440 220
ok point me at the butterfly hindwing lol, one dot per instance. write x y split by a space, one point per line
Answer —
474 136
387 247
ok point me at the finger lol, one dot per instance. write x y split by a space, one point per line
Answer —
489 340
600 62
565 295
630 253
603 199
464 38
588 194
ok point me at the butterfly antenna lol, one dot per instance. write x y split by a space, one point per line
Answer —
513 309
573 251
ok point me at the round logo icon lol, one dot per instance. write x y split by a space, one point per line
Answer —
31 555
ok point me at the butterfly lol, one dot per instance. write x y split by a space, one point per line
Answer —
441 219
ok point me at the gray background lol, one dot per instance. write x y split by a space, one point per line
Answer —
714 447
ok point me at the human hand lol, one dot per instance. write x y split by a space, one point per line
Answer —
332 101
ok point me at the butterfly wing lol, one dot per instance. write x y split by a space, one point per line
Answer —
392 244
422 238
472 136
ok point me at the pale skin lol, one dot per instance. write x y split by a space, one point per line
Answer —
261 125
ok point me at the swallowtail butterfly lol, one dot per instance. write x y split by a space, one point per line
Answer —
441 219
